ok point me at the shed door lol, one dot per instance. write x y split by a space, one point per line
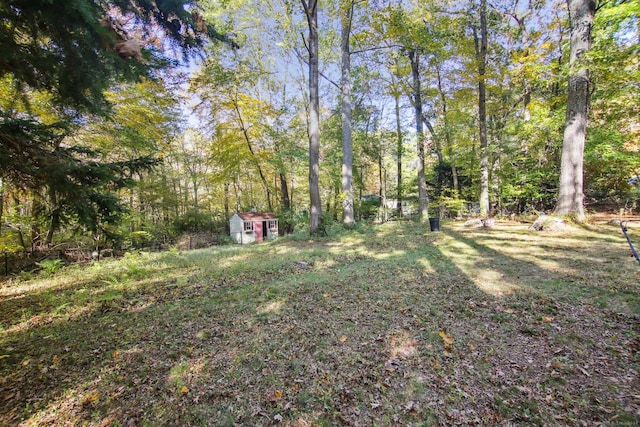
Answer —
258 230
265 229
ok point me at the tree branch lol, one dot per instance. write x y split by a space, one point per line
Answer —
371 49
303 59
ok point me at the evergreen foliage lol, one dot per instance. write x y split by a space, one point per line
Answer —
67 48
68 51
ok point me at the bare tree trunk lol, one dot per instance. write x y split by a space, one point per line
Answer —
399 151
284 192
481 55
382 178
1 204
196 188
54 217
285 197
315 216
570 194
414 57
227 213
238 191
347 143
432 131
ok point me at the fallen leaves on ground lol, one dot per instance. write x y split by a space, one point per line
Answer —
362 335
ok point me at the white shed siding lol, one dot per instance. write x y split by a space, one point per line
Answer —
244 226
236 228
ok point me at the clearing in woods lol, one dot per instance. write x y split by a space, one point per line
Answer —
381 325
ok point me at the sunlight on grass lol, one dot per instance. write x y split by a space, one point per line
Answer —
271 307
382 325
428 267
394 254
347 243
493 283
477 267
37 320
230 261
178 374
18 287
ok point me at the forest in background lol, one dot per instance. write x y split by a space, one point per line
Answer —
122 123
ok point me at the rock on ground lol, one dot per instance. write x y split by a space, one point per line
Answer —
549 223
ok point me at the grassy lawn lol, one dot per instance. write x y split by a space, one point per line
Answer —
382 325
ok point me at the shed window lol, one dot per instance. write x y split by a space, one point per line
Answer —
248 226
272 223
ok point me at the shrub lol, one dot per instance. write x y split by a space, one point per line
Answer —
368 208
226 240
138 239
290 221
9 242
194 221
50 266
451 203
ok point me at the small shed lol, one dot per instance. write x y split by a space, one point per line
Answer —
248 227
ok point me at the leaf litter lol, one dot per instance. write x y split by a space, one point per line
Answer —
389 327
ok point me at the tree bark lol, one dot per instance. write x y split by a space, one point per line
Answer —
434 136
315 214
570 194
284 192
1 204
414 57
54 217
382 179
347 142
481 55
196 187
227 212
399 151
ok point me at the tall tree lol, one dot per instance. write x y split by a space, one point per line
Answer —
414 57
399 152
315 215
447 130
346 16
411 36
481 58
571 192
192 145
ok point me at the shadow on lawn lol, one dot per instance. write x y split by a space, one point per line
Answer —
358 333
56 342
595 272
125 330
191 354
553 330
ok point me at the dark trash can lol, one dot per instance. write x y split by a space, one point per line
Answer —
434 223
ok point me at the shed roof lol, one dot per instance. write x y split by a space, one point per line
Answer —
256 216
